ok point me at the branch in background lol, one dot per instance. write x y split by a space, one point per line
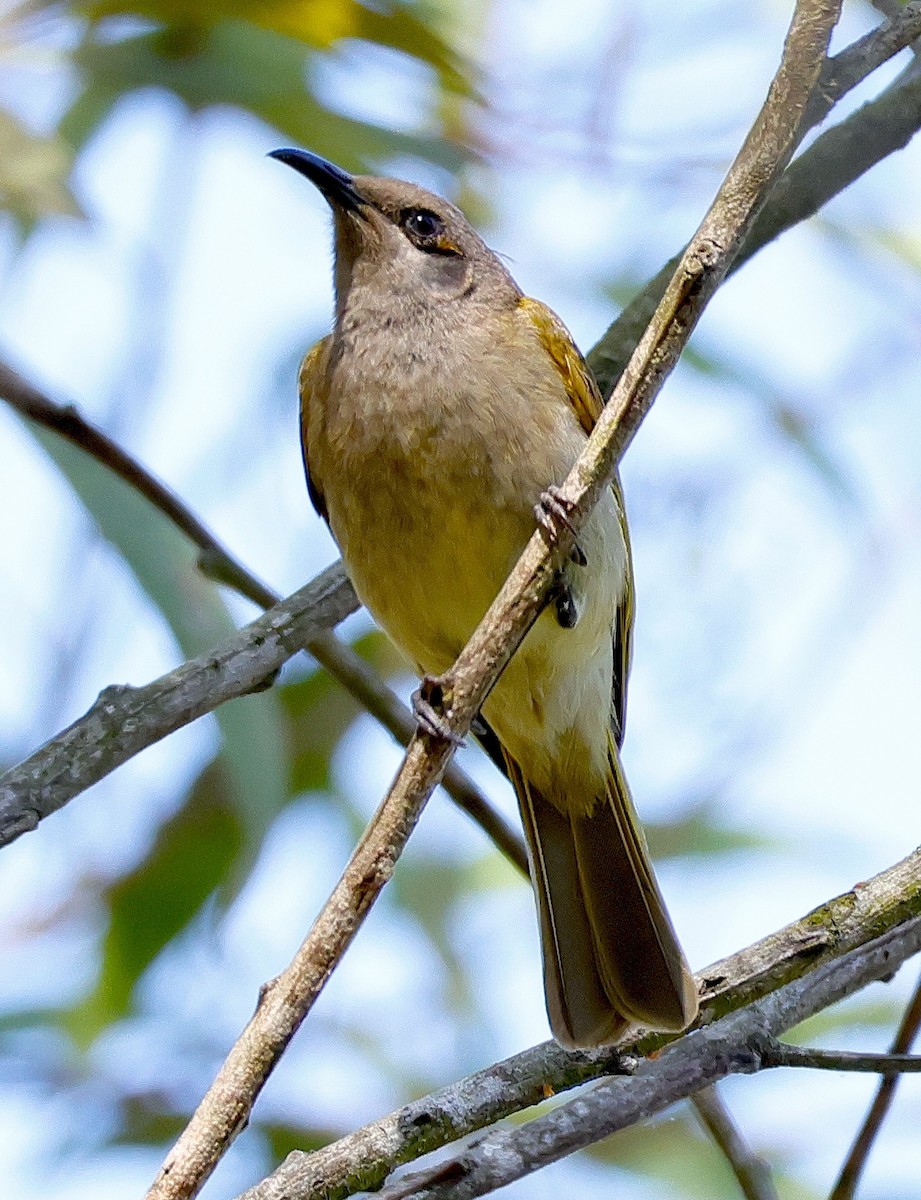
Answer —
846 70
846 1183
843 154
752 1172
361 1161
125 720
734 1045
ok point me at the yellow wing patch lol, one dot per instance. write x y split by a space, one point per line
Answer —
581 389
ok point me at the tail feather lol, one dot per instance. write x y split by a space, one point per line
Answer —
577 1004
611 957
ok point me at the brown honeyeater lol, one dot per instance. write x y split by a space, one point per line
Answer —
437 418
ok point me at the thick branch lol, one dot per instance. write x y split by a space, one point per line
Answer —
733 1045
286 1002
124 720
362 1160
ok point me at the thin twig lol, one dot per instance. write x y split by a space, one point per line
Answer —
364 1158
840 155
101 740
752 1172
846 1183
782 1054
64 419
226 1107
846 70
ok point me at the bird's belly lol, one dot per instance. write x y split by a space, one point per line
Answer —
428 563
444 508
427 567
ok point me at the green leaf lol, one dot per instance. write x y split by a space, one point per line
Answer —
318 711
194 854
283 1139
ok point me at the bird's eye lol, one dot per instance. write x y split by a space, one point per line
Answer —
422 225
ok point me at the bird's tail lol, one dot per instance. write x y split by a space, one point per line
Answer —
611 957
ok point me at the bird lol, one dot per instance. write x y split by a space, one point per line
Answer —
438 419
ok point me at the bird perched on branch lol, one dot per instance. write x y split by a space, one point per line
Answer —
437 418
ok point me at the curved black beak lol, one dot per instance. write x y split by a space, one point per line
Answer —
336 185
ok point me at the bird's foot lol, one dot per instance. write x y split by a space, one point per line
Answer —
552 511
428 702
564 602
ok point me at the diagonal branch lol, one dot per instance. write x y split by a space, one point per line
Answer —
288 999
752 1172
362 1160
125 720
846 70
216 561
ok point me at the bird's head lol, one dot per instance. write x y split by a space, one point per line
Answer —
394 235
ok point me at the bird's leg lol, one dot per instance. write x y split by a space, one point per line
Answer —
551 512
428 705
567 613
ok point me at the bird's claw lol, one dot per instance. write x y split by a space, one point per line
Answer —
551 512
426 701
567 612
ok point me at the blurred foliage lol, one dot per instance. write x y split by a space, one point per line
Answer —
164 564
250 56
193 856
676 1152
34 172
